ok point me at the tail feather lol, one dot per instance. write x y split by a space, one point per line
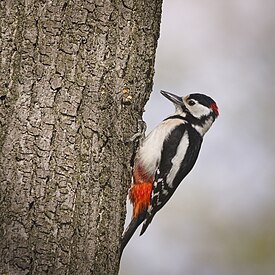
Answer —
130 230
146 224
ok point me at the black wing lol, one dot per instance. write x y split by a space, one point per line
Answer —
181 151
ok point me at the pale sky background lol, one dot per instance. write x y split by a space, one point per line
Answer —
221 220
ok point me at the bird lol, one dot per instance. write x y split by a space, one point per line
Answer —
166 156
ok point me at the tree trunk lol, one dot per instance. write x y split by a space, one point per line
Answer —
75 76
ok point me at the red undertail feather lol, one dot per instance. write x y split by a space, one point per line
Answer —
140 191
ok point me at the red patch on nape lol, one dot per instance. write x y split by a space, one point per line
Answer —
215 109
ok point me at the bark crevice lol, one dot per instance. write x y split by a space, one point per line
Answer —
74 79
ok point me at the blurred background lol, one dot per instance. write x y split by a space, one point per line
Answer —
221 220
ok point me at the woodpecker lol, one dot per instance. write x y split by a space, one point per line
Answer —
166 156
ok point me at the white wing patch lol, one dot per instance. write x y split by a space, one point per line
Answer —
177 159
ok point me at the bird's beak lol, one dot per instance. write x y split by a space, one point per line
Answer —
174 98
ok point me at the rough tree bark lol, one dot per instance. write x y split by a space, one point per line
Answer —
75 76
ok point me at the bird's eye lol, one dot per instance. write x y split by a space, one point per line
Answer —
191 102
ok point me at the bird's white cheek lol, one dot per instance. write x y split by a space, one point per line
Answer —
199 111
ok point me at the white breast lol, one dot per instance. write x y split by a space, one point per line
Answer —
150 151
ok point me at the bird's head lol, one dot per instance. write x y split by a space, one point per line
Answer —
198 109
